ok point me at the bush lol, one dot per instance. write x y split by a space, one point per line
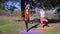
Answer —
3 12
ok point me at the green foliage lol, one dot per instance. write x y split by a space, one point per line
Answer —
4 26
1 6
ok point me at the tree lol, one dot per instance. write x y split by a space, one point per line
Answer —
2 6
3 1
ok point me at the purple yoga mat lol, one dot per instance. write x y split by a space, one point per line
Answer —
31 31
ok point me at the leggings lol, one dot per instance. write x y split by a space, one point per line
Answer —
26 23
43 20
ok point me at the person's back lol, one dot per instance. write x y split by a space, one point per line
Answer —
26 14
42 13
42 17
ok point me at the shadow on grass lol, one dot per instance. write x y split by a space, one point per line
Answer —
49 20
35 26
38 21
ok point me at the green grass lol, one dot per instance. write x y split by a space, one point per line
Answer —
5 26
50 32
8 26
5 21
47 32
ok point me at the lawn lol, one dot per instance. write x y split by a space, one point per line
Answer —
12 28
50 32
6 26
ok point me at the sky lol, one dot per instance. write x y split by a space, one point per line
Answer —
8 4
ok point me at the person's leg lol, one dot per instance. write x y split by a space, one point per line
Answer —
46 22
26 23
44 19
30 21
41 19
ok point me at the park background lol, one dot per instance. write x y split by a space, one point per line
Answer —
10 22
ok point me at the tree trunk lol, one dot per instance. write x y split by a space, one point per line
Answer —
59 15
